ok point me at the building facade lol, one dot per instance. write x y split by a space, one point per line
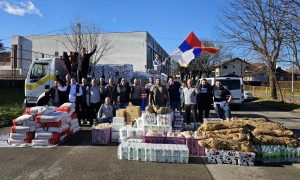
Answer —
136 48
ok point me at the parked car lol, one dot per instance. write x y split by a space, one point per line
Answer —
248 96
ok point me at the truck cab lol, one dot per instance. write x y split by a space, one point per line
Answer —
41 76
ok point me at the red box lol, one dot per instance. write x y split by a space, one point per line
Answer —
194 148
101 136
155 139
175 140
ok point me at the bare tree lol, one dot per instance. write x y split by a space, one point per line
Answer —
258 26
87 34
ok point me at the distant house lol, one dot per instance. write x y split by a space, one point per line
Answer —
286 75
235 66
257 72
254 73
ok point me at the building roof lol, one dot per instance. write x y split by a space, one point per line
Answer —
229 60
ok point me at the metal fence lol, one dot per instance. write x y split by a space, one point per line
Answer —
265 92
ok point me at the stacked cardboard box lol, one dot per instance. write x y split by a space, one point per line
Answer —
230 157
132 113
178 121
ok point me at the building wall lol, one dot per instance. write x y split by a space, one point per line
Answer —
236 67
128 48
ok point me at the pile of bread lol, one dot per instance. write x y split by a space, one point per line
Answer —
242 133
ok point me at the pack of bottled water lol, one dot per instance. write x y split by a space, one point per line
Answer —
165 153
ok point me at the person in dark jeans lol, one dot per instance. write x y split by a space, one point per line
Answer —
190 101
222 98
83 101
93 101
204 99
123 94
174 94
102 85
84 63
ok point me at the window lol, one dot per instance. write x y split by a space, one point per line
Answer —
233 66
38 71
149 58
56 54
231 84
224 67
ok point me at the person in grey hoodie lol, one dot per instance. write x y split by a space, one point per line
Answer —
190 101
93 100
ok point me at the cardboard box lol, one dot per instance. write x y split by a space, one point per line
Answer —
121 113
130 117
133 110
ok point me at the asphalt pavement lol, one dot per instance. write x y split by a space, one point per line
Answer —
79 159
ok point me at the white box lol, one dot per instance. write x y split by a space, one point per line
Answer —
118 121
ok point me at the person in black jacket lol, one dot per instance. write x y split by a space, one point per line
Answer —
123 94
174 94
84 63
102 85
111 91
56 96
67 61
204 99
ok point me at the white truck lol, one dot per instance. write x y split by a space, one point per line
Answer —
40 77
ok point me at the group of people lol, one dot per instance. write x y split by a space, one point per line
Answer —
77 64
196 101
98 100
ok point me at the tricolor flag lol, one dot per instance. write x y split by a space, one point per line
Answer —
190 49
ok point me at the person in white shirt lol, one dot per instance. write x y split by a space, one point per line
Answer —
74 91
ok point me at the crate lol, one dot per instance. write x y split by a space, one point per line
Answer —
155 139
175 140
101 136
194 148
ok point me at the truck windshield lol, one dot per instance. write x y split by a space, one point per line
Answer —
231 84
38 71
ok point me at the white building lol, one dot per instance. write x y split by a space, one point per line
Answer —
137 48
234 66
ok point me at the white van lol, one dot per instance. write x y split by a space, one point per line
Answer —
233 84
40 77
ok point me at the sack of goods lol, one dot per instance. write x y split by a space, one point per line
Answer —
167 153
74 124
101 133
40 110
22 129
66 107
44 142
23 119
20 138
52 117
